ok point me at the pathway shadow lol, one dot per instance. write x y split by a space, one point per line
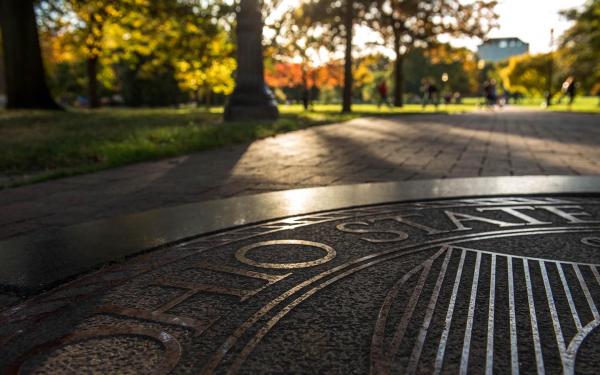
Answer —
180 180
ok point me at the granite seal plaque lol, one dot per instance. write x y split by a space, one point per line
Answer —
480 285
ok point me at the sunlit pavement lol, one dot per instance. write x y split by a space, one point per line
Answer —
500 143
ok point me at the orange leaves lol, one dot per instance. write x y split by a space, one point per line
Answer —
284 75
294 74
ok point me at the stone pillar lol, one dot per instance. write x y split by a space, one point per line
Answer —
251 99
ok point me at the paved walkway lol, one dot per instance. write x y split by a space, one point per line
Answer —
363 150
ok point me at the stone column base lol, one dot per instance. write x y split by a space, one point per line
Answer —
240 112
251 104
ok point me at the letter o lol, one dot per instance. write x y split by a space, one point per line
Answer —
329 254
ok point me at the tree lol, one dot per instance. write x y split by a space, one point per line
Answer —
580 45
296 43
527 73
406 24
131 45
348 27
296 79
459 65
207 67
337 19
85 21
367 73
26 85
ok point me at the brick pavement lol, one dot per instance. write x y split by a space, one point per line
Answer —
363 150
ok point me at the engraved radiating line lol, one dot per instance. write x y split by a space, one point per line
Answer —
595 271
553 313
514 354
418 347
563 280
464 360
439 360
416 353
401 330
577 340
532 258
539 360
378 357
372 259
361 263
586 292
489 362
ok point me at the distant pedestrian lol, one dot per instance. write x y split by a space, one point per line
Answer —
423 89
569 87
382 90
457 97
430 93
506 96
489 91
447 98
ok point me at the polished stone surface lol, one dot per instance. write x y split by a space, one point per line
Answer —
503 282
32 263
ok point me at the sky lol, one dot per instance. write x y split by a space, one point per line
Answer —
529 20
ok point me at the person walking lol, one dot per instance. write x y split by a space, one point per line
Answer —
430 93
489 90
383 93
568 89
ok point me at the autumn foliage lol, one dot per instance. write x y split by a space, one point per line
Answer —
282 75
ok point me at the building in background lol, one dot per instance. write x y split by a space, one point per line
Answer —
498 49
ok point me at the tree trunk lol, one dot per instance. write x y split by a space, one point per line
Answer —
92 72
398 73
399 81
208 96
24 70
348 23
304 88
549 88
196 98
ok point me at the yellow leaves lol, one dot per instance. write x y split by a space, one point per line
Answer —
89 40
137 23
191 28
107 76
183 66
144 35
57 50
220 76
96 32
142 3
363 74
527 73
216 73
111 11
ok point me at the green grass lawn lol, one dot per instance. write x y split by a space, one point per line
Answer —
39 145
584 104
581 104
